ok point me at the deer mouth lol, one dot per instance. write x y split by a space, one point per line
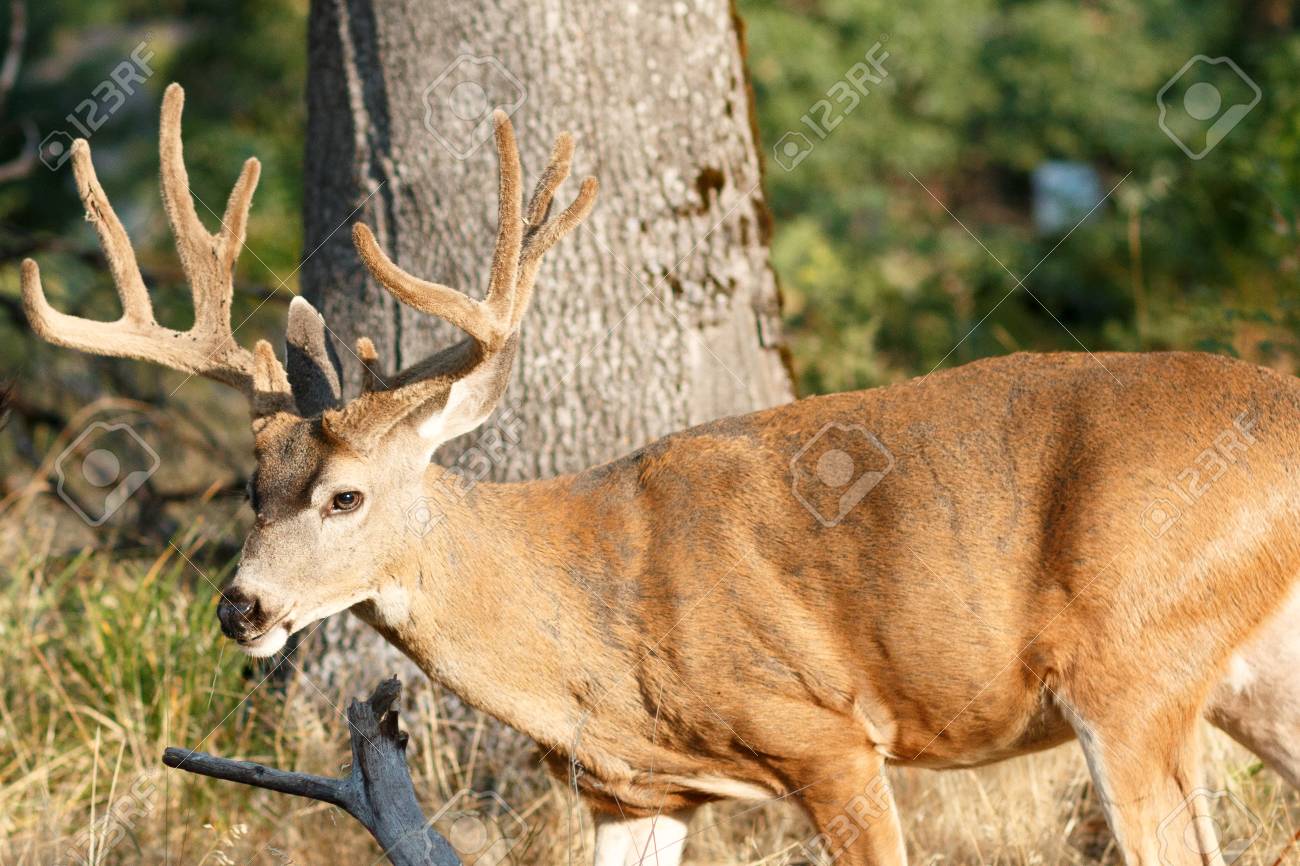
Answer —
268 642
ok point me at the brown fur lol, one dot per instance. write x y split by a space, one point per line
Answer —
678 616
686 623
1021 534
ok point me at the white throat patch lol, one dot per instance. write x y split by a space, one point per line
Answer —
393 605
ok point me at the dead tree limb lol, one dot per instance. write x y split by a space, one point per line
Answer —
21 165
377 792
13 56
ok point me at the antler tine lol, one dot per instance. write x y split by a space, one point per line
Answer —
510 225
271 392
545 236
126 337
207 259
557 171
433 298
112 237
369 358
234 223
208 348
132 335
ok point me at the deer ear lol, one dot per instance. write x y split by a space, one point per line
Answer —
468 402
312 364
460 386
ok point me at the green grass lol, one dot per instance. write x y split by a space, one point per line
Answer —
107 659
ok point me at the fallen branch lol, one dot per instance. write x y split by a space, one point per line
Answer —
377 792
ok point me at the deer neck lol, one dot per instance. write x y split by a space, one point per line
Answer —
511 601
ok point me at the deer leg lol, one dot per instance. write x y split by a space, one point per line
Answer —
852 807
653 841
1258 702
1148 776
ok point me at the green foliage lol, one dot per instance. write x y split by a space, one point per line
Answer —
243 66
106 658
882 283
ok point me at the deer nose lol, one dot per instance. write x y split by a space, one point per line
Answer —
239 614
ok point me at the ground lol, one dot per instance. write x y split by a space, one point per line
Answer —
110 656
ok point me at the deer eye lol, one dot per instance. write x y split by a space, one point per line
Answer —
348 500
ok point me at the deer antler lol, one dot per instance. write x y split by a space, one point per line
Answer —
206 349
518 254
523 236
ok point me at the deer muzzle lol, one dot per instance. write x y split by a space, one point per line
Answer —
241 615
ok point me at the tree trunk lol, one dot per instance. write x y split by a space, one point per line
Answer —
659 313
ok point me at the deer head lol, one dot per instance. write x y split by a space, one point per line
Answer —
333 479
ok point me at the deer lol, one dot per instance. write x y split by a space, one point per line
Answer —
990 561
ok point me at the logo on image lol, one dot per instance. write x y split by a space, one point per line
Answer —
458 104
1204 101
480 826
422 516
791 150
1159 517
102 468
836 469
1209 815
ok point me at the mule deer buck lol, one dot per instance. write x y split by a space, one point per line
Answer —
699 620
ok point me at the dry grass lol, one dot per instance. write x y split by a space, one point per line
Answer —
107 660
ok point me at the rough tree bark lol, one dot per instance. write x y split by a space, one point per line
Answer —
660 313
